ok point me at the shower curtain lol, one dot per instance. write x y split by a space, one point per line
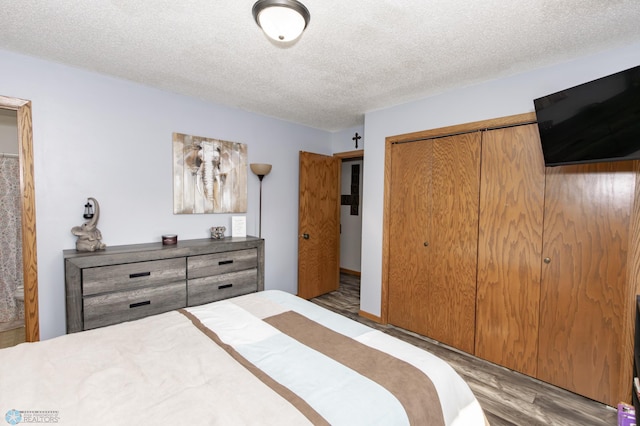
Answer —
11 310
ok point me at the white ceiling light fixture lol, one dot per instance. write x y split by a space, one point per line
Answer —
281 20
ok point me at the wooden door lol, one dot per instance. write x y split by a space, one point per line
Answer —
454 239
318 225
584 289
409 223
433 244
510 248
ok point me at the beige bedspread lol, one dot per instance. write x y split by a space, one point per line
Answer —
266 358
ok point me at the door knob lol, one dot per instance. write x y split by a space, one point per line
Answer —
426 243
547 260
305 236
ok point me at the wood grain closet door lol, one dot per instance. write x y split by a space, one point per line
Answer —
410 211
510 248
583 293
433 246
454 240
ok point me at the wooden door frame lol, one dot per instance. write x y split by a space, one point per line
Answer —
512 120
28 205
347 155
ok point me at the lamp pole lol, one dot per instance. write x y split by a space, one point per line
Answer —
260 214
260 170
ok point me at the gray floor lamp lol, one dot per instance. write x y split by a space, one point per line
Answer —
260 170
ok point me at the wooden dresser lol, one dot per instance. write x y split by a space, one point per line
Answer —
124 283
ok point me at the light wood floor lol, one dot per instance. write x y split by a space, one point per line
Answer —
507 397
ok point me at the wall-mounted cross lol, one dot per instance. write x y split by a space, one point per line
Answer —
356 138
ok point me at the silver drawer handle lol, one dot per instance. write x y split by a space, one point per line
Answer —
135 305
140 274
225 262
220 287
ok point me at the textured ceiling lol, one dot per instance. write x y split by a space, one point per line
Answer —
355 56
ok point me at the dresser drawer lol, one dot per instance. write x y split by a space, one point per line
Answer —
218 287
221 263
113 308
130 276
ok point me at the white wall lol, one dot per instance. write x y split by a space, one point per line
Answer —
498 98
342 141
111 139
350 225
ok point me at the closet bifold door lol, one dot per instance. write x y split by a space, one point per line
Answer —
510 247
434 238
584 290
410 193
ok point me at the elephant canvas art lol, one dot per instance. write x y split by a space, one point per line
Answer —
209 175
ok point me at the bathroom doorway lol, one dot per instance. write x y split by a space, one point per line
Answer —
12 325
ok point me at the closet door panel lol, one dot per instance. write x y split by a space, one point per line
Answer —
583 289
408 227
453 240
510 248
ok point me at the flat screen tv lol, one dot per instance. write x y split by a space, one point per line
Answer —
594 122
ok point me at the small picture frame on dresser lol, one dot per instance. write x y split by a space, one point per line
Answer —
238 226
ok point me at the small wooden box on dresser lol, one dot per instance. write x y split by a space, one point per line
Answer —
124 283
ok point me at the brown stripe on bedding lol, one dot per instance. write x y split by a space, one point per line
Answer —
411 386
300 404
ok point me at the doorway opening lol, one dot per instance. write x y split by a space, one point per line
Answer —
351 211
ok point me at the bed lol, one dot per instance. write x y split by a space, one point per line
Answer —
264 358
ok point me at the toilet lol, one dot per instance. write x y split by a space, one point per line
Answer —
19 293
